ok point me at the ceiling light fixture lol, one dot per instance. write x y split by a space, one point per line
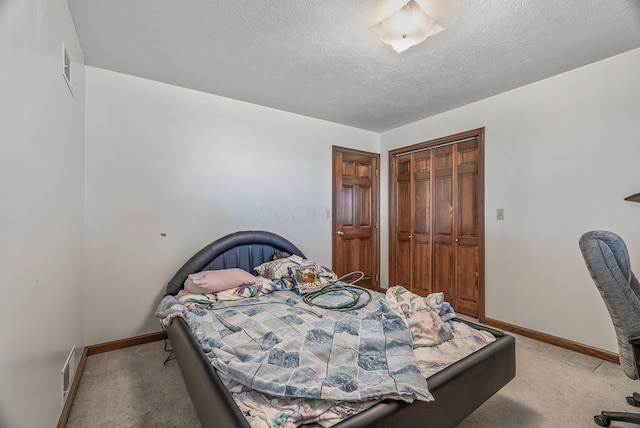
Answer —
406 27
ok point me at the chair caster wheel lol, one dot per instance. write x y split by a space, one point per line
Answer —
602 420
633 401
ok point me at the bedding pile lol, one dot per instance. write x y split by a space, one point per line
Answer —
278 345
288 363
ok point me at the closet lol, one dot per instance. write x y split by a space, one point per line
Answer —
436 220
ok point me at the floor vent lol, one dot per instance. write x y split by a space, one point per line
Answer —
67 373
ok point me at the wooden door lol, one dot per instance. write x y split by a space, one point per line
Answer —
436 219
467 227
422 247
356 214
400 270
443 222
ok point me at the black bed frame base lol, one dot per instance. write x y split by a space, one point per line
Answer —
458 389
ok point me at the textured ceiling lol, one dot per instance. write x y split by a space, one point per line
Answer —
318 58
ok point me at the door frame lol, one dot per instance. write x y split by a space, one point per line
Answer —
375 192
450 139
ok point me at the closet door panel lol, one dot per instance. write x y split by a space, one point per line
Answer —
403 264
467 279
421 234
402 242
443 224
422 189
468 204
422 267
467 178
467 228
438 221
443 194
443 215
444 270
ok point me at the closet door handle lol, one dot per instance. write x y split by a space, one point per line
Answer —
341 233
457 240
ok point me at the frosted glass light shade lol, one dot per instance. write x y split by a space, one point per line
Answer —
407 27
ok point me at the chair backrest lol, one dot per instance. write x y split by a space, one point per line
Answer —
607 259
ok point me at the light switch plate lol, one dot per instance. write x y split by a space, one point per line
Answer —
500 214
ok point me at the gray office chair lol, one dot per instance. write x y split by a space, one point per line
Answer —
607 259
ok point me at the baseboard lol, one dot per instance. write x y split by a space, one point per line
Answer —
98 349
553 340
125 343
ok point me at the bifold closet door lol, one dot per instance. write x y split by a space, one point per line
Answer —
443 223
467 228
421 241
413 267
436 223
400 269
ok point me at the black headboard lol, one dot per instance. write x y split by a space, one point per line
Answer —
244 250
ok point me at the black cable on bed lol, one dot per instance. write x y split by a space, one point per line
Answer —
225 305
337 286
340 287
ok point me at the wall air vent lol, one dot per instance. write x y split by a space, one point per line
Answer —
68 370
66 68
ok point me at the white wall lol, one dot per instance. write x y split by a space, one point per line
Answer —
560 157
164 159
42 194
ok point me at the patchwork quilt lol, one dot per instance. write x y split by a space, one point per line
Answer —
287 363
278 345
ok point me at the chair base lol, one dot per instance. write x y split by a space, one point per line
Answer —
604 419
634 400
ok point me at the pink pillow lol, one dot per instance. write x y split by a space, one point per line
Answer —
211 281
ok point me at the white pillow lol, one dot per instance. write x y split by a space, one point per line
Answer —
275 269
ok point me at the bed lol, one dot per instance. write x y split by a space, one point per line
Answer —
457 389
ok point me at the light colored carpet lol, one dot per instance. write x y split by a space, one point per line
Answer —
132 388
553 387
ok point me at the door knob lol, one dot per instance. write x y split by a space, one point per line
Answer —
457 240
341 233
